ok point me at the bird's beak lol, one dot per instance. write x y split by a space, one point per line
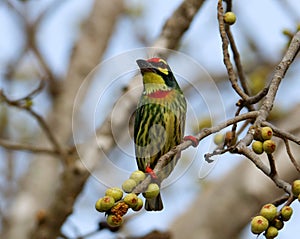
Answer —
145 66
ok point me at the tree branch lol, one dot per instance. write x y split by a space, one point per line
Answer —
268 101
177 25
226 56
289 152
26 147
21 104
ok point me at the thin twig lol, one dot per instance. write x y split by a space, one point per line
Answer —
234 126
26 147
218 151
237 60
279 74
30 30
256 98
228 5
273 170
226 56
12 7
289 152
243 127
32 94
265 109
280 200
282 133
31 41
266 170
46 129
40 119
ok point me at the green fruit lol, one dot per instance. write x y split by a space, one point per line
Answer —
259 224
266 133
105 203
115 192
269 146
269 211
271 232
257 147
129 185
114 220
28 103
278 223
138 176
296 187
139 205
219 139
205 122
152 191
98 206
131 200
258 79
229 18
286 213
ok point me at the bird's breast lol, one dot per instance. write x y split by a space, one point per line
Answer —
159 94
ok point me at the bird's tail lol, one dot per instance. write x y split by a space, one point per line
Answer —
154 204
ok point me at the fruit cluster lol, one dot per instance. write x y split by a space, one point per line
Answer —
263 141
116 206
269 220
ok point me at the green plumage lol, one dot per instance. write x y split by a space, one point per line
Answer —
160 120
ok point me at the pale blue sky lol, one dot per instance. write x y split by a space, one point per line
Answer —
262 18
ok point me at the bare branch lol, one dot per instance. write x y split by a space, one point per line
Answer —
177 25
226 56
279 74
236 57
259 164
289 152
282 133
26 147
22 105
273 170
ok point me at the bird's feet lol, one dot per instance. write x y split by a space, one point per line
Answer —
193 139
151 172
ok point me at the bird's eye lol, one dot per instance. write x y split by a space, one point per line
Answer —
161 65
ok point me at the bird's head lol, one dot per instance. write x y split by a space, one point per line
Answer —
157 71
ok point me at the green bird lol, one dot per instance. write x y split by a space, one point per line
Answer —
159 121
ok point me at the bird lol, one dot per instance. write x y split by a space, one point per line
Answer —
159 121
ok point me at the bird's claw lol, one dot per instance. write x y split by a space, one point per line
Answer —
193 139
151 172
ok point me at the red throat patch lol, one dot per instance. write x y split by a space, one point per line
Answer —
159 94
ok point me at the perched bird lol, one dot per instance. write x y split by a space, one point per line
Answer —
159 121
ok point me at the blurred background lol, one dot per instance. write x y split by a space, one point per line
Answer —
40 38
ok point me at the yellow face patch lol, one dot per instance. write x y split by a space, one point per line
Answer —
163 70
153 78
163 61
